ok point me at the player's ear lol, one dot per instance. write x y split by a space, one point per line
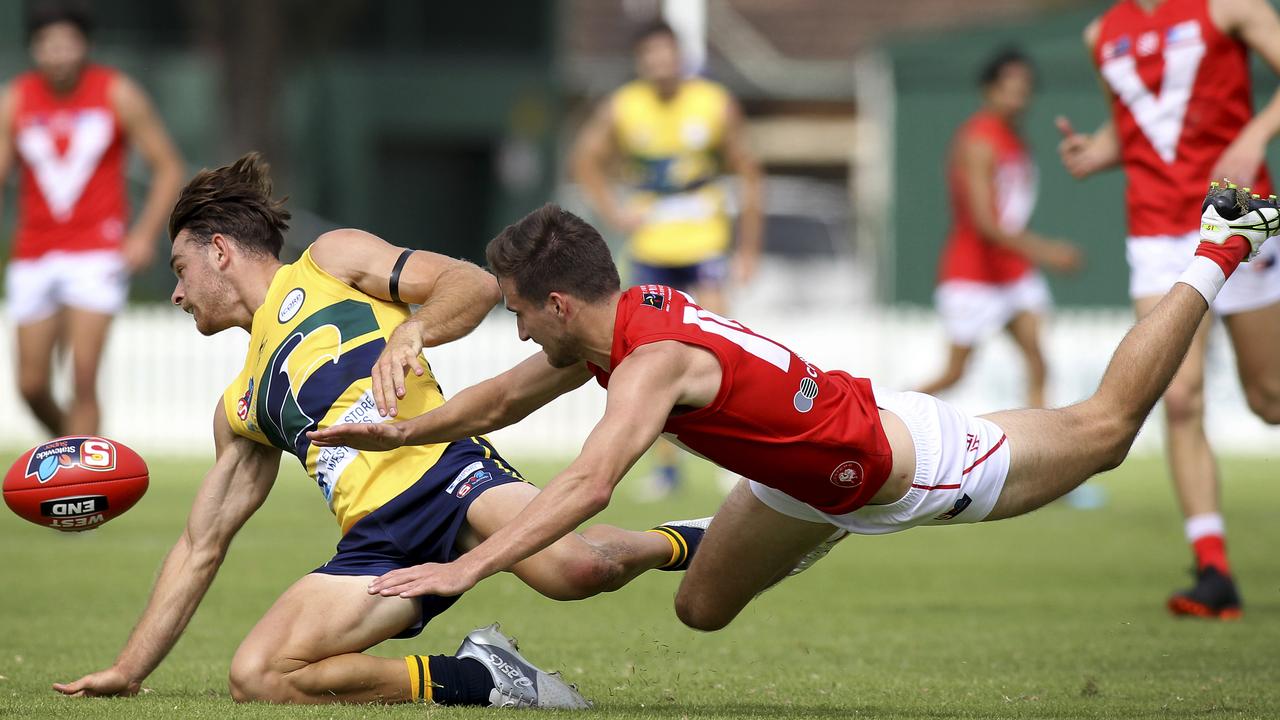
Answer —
558 304
221 245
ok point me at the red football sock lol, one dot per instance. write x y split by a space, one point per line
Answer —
1228 255
1211 550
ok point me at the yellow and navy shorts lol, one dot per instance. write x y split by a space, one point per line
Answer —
421 524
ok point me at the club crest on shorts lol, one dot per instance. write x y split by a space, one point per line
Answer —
471 477
847 474
90 453
964 502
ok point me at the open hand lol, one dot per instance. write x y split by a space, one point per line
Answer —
403 352
361 436
103 683
1079 154
446 580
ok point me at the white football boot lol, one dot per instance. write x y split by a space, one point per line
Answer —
1229 211
518 683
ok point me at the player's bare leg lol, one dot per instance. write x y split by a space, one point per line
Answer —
1256 338
87 337
748 547
1191 462
957 359
36 344
1024 328
309 647
1053 451
601 558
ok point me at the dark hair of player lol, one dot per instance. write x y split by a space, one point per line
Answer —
996 64
45 14
552 250
648 30
234 200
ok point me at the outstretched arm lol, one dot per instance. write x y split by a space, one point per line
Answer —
491 405
1085 154
642 391
454 294
742 162
147 134
232 491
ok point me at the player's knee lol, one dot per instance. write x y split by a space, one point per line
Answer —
1183 405
33 388
253 679
587 574
1264 400
699 614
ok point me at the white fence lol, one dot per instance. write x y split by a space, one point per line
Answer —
161 379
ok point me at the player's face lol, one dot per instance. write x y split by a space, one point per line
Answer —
541 323
59 51
658 59
1011 92
201 290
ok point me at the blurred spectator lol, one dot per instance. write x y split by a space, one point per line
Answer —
67 123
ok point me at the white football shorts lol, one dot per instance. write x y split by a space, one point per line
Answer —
973 311
1157 261
94 280
961 465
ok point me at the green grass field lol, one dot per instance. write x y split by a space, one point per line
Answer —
1058 615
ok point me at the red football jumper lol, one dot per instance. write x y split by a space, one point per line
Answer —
72 194
1180 94
968 255
777 419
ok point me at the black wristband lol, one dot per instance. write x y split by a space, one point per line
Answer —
394 281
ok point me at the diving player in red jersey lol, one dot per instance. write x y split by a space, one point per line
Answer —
987 276
1176 73
68 124
825 452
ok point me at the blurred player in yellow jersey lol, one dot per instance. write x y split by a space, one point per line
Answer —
676 137
331 340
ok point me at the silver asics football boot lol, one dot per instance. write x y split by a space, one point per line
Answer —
517 682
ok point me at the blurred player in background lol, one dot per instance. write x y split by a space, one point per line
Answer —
331 339
676 137
988 281
1177 76
68 124
822 453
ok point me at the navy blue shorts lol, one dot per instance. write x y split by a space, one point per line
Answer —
681 277
421 524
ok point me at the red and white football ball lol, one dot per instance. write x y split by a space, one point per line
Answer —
75 483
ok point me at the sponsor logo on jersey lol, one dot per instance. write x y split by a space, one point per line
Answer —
847 474
1186 31
803 400
291 304
1115 48
73 506
90 453
956 509
1148 43
653 300
242 405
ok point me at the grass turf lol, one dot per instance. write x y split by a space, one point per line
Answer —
1052 616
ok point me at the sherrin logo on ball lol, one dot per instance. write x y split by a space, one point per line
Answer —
75 483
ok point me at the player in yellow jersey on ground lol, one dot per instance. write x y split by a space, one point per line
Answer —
676 137
317 327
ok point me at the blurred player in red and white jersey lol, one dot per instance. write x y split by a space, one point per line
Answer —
987 276
67 124
1177 75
